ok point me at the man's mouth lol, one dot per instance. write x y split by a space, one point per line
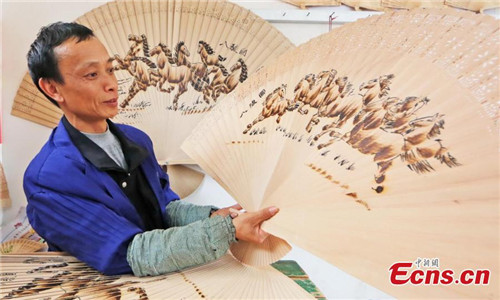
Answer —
111 101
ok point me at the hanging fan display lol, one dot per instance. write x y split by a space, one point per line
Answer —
474 5
174 59
409 4
64 277
378 142
366 4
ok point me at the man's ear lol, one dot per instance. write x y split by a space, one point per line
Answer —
50 88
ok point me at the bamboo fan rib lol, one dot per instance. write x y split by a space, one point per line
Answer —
474 5
4 190
174 60
378 142
385 5
64 277
409 4
20 246
367 4
308 3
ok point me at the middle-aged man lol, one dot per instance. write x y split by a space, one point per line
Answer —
95 189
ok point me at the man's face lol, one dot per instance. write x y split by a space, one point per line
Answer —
89 94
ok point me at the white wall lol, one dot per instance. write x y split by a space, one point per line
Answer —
21 21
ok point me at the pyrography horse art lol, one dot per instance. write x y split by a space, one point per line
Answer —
181 54
239 73
137 66
76 280
275 104
218 75
372 122
388 128
336 90
208 57
169 74
308 90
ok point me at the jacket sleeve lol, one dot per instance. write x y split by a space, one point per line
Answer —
86 229
161 251
180 213
76 213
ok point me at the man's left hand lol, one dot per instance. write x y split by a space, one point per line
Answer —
231 210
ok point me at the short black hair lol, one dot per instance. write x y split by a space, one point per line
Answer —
42 62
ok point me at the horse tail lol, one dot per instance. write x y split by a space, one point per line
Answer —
448 160
408 156
244 70
422 166
145 45
146 61
221 58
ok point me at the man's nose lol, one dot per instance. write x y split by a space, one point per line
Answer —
111 83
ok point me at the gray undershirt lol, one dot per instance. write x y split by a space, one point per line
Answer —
110 144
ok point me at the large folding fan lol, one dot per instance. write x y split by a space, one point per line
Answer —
174 60
378 142
59 276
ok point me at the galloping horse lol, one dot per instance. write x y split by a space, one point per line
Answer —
328 104
220 74
179 75
387 137
238 74
310 95
368 113
207 54
376 87
303 87
275 104
399 115
136 66
181 54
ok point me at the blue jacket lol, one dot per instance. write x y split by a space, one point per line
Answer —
80 209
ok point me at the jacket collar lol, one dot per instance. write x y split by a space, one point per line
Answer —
134 154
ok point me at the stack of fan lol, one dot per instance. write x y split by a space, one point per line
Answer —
64 277
379 143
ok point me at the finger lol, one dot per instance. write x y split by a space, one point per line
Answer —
236 206
267 213
234 213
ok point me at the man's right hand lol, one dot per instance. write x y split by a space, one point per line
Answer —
248 224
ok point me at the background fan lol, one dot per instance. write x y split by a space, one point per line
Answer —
379 143
4 190
226 278
20 246
174 60
386 5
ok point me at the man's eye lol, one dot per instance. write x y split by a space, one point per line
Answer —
91 75
111 70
